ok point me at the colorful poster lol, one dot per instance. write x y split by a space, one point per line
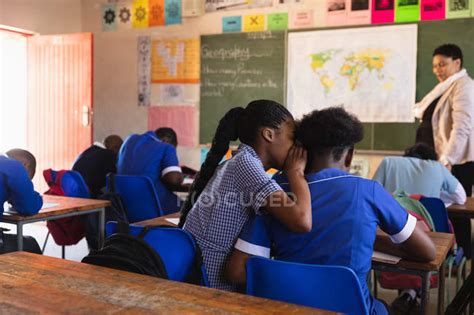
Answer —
124 16
277 21
217 5
109 17
175 61
359 12
231 24
174 94
157 12
407 10
144 81
336 12
459 8
140 13
302 19
433 10
183 119
254 23
373 77
173 12
383 11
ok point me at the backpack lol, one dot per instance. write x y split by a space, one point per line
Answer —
115 212
66 231
126 252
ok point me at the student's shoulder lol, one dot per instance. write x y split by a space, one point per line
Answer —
11 165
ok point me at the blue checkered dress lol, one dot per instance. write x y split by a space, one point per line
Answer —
238 188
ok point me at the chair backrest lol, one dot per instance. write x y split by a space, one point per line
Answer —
334 288
138 196
438 212
176 247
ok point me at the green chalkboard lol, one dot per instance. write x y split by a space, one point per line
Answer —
236 69
393 136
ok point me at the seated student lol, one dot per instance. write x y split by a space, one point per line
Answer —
97 161
419 172
17 168
153 154
346 211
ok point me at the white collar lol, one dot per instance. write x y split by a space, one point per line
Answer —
100 145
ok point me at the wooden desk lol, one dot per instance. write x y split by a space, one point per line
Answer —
67 207
39 284
443 242
465 210
160 220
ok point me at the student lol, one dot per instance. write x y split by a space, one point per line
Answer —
149 155
97 161
346 211
17 168
419 172
223 197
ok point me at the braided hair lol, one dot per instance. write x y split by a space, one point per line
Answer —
257 114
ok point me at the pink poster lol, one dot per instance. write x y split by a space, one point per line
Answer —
302 19
433 10
383 11
336 12
181 118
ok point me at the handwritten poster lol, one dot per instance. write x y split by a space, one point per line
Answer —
302 19
183 119
254 23
175 61
383 11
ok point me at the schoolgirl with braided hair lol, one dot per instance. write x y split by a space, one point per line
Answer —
223 197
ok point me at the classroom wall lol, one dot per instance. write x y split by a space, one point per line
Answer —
42 16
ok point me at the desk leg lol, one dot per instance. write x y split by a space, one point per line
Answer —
19 236
425 294
441 288
101 227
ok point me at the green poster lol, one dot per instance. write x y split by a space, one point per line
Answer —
458 8
407 10
277 21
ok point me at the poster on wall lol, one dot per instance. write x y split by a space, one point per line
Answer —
407 10
336 12
433 10
458 8
183 119
109 17
217 5
302 19
175 61
140 14
374 77
144 54
124 15
383 11
358 12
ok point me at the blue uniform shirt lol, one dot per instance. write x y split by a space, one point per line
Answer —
346 212
146 155
17 188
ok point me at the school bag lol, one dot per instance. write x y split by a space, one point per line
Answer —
126 252
115 212
66 231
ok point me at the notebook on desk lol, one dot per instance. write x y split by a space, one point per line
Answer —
385 258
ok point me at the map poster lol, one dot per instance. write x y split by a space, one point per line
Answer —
373 77
175 61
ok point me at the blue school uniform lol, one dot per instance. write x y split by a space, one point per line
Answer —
17 188
146 155
238 188
346 212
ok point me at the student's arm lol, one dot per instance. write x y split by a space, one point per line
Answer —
171 174
452 190
295 211
21 193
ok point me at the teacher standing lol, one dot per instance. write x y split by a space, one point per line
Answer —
447 122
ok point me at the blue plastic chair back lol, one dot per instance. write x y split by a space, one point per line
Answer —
176 247
333 288
74 185
138 196
438 212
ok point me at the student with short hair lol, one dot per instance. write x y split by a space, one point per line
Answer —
419 172
223 197
346 211
148 155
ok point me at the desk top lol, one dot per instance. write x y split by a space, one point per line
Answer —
466 209
443 243
160 220
41 284
64 205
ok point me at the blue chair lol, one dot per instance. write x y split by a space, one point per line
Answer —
138 196
176 247
333 288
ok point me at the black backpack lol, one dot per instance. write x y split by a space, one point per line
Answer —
115 212
128 253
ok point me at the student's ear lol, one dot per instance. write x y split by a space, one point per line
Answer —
268 134
349 157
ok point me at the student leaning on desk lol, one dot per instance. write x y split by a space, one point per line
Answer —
17 167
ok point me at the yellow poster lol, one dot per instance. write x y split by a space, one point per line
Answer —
175 61
140 13
254 23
